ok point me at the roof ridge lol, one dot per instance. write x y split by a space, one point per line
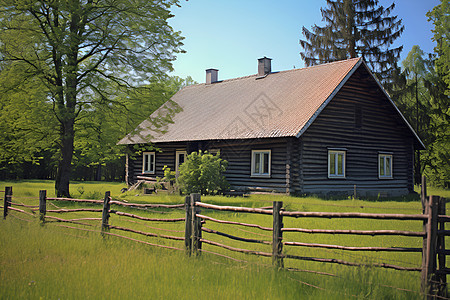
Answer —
323 65
276 72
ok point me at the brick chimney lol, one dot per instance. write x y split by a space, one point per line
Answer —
212 75
264 66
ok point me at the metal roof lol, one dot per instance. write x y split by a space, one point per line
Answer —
280 104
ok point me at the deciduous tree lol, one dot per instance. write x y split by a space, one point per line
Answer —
440 16
83 50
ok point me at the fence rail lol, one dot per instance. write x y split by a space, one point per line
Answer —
106 213
432 267
357 232
352 215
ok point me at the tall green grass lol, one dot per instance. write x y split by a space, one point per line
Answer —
47 262
54 262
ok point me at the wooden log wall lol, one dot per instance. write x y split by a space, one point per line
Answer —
238 153
360 119
164 157
284 172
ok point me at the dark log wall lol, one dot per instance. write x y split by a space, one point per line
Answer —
164 156
378 128
238 154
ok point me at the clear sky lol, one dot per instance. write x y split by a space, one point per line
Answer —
230 35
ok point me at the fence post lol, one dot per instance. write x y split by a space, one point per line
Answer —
105 212
42 205
442 277
7 200
429 250
277 240
424 274
188 228
196 224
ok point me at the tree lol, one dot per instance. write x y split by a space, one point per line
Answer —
414 100
355 28
96 154
423 101
82 51
27 139
438 85
440 16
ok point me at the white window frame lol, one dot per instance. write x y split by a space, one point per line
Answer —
383 165
336 161
213 151
177 162
151 162
261 161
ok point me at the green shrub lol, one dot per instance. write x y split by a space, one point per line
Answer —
170 179
202 173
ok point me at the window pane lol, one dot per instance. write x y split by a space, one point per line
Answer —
332 164
257 160
152 163
388 166
340 164
381 163
145 162
266 163
180 158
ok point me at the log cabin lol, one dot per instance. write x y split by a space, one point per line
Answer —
327 129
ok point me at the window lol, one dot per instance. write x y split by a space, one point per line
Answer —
336 164
261 163
213 151
385 165
179 159
148 163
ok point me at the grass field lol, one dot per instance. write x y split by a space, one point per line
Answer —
52 262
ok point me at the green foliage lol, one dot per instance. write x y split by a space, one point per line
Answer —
81 54
423 101
355 28
415 64
440 16
169 175
437 156
170 179
202 173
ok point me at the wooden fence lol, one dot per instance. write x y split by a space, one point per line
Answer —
105 211
433 267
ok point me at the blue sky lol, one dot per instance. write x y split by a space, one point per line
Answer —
230 35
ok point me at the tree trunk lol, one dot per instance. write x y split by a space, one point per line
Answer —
65 162
67 112
349 8
98 173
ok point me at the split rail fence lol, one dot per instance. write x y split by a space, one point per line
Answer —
433 266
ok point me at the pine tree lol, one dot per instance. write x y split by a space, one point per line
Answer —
355 28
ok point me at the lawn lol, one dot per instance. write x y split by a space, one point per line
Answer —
57 262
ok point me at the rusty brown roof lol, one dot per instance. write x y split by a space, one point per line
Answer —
278 105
